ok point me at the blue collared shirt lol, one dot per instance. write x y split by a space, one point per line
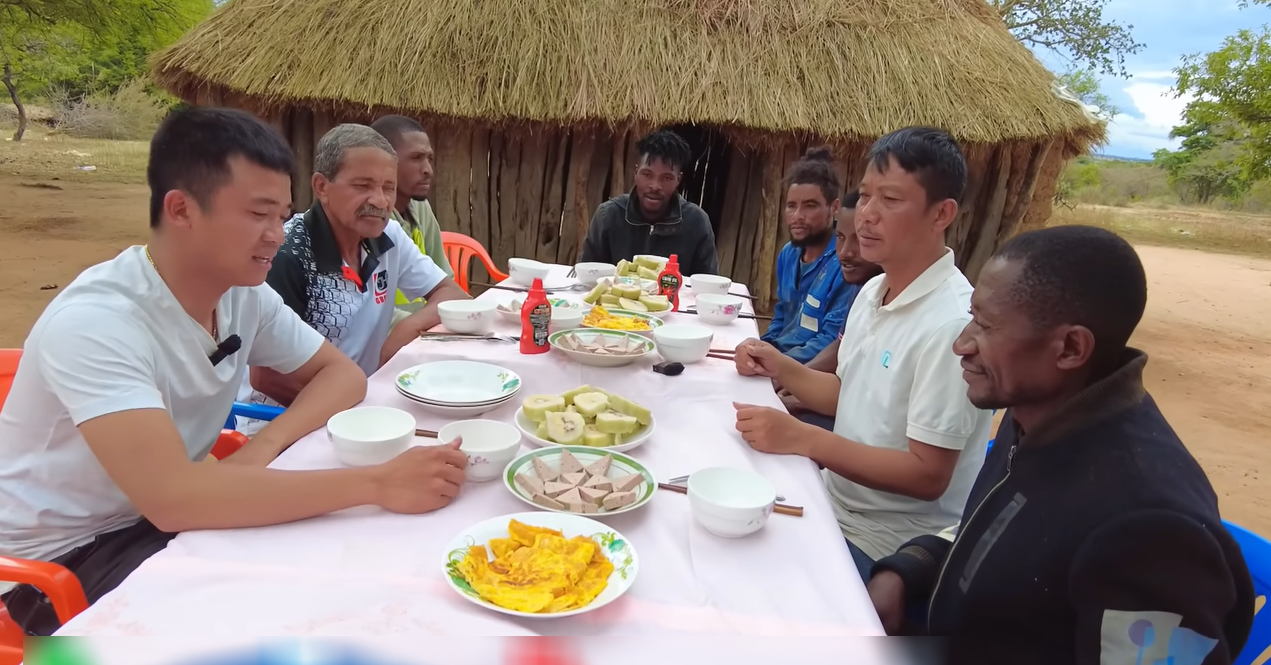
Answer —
812 303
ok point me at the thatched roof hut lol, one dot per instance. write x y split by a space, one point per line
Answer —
534 106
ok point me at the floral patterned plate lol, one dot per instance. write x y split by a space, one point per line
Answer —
614 545
620 465
458 383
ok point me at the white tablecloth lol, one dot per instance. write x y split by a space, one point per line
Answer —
368 571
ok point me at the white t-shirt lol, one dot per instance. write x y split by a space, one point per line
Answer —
901 380
350 306
116 340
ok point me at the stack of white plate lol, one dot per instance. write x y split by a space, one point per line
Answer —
458 388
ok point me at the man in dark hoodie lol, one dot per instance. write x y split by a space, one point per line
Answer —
653 218
1091 535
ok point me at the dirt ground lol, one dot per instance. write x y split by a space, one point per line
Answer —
1207 328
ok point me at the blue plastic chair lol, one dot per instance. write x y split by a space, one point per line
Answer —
1257 553
257 411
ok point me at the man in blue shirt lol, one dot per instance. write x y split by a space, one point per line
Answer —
856 272
812 296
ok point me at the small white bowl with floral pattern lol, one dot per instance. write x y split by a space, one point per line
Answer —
489 445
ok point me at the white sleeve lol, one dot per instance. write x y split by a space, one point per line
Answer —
417 275
283 341
97 361
940 414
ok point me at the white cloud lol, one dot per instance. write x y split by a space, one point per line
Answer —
1157 111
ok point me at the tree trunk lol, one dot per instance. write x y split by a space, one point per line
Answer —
13 94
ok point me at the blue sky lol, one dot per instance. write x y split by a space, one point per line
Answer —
1169 29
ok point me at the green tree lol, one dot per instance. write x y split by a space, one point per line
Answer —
85 45
1231 88
1075 28
1085 85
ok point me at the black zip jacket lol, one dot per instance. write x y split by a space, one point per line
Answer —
1094 539
619 231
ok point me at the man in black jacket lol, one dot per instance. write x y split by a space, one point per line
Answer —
1091 535
653 218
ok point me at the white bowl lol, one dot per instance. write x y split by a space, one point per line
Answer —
474 317
614 545
511 310
370 435
683 342
730 503
529 429
566 318
718 310
590 273
707 283
523 271
489 445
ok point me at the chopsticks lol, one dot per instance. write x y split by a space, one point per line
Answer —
722 354
793 511
426 433
740 316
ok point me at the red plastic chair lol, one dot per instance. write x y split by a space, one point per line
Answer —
56 582
460 250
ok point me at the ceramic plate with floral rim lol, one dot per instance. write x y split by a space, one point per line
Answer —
458 383
620 466
614 545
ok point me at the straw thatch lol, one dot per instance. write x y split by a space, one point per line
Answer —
534 105
830 68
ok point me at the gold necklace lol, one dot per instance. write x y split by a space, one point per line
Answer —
216 333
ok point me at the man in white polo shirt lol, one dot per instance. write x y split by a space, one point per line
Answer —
130 372
344 260
907 443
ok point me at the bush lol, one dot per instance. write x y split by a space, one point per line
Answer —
130 113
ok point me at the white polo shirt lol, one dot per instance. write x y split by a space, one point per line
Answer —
351 307
116 339
901 381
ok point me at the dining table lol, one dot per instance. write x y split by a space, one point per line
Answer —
369 572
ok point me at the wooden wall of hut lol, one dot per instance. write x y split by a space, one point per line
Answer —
530 191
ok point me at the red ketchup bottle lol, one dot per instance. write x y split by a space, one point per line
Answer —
670 281
536 315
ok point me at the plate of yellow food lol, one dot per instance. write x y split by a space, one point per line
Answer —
622 320
541 565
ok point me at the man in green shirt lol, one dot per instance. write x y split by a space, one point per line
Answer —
414 181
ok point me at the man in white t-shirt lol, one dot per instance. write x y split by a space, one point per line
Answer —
344 260
907 443
129 374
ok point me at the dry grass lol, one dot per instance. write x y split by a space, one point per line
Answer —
838 69
1191 228
42 155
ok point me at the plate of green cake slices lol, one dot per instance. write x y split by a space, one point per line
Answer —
585 416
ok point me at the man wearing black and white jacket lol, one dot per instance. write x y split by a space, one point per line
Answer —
1091 535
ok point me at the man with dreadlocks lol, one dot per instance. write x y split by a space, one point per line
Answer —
653 218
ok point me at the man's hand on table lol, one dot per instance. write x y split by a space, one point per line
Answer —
755 357
887 592
769 430
422 479
792 403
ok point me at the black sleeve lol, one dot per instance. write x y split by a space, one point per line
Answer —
706 259
918 563
287 277
595 249
1155 585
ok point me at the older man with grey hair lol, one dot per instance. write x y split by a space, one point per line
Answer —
343 261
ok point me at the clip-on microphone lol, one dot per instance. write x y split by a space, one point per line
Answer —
225 349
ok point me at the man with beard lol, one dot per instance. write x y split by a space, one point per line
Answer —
342 261
653 218
907 443
1091 535
856 272
812 296
412 209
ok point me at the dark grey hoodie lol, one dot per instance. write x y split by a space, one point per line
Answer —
619 231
